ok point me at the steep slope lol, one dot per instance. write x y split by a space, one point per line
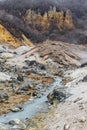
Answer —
6 37
64 20
50 20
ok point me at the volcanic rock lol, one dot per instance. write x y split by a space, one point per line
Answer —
84 79
20 77
60 96
4 127
17 124
4 77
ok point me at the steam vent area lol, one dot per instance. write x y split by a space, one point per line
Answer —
43 64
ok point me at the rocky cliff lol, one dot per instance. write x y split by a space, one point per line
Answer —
41 20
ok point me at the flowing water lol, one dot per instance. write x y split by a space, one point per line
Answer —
33 107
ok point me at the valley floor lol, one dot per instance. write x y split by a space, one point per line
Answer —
20 77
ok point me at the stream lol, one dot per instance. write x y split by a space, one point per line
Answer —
32 107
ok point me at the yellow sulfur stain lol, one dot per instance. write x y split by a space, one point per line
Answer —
6 37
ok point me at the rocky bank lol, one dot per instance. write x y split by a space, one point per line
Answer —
43 65
27 72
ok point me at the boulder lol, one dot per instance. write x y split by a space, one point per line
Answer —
18 108
84 79
17 124
59 95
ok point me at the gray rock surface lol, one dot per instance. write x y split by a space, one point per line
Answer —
56 94
4 77
17 124
22 49
4 127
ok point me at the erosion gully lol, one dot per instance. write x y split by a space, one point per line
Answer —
32 107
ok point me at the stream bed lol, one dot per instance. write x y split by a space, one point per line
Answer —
32 107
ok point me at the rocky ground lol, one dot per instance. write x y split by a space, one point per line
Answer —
20 78
72 114
27 72
43 65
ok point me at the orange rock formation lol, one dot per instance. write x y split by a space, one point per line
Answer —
6 37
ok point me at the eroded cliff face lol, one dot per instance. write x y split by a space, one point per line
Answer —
50 20
36 26
6 37
40 20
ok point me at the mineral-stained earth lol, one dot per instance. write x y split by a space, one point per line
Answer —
43 65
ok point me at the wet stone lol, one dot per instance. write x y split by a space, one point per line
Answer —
59 95
34 94
17 124
18 108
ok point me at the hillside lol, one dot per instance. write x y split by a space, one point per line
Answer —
43 65
7 38
30 18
